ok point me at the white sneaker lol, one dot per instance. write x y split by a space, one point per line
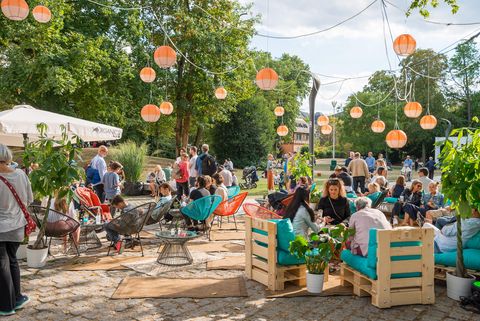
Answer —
395 221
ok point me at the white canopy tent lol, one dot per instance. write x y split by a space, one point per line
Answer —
21 122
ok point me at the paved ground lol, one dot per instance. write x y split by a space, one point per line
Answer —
58 294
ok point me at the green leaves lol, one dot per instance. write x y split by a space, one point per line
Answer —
132 156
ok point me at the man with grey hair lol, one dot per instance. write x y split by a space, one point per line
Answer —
362 221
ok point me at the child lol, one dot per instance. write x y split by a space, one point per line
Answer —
119 203
111 183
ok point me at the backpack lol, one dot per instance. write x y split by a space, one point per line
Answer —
209 165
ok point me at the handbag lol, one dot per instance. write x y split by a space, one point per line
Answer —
31 225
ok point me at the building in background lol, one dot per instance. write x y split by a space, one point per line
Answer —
299 136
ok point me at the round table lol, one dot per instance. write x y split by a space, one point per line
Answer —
174 249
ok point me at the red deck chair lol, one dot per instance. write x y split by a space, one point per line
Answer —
229 207
90 202
254 210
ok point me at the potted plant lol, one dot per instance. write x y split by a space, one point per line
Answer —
22 249
300 166
57 170
132 156
315 196
318 251
461 185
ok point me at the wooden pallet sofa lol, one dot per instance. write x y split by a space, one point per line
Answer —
267 258
398 270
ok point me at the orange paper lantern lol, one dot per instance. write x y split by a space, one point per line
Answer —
15 9
42 14
326 129
279 111
396 138
148 74
282 130
404 45
165 56
428 122
267 79
150 113
221 93
412 109
166 108
322 120
356 112
378 126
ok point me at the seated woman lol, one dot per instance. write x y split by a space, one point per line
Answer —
301 215
446 238
155 179
56 221
373 192
199 192
430 201
408 205
434 203
397 189
221 188
364 219
334 202
165 197
381 173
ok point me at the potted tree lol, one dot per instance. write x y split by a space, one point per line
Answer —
318 250
461 184
57 170
22 249
315 196
132 156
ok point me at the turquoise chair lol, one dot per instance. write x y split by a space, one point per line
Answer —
314 185
233 191
201 209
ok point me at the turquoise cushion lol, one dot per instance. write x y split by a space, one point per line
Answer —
285 258
391 200
351 195
374 196
474 242
359 263
353 209
471 258
285 233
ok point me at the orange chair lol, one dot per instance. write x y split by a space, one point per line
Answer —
229 207
256 211
90 202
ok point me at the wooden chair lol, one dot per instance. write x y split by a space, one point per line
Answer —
229 208
261 262
405 270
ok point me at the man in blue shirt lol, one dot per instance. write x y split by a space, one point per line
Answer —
408 162
370 162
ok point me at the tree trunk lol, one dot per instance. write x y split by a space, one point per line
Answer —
186 128
198 136
178 133
40 243
460 267
424 154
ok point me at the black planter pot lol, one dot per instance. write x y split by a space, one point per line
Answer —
133 189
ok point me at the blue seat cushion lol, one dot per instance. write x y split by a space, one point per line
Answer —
285 258
285 233
471 259
391 200
351 204
359 263
351 195
474 242
374 196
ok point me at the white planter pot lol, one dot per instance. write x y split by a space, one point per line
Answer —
37 258
457 287
22 252
314 283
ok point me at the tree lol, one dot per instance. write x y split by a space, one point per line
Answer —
421 5
465 72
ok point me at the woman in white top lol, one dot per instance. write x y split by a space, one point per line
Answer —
301 215
221 189
57 221
12 232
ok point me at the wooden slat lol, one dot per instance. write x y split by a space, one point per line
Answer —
404 235
260 224
259 263
261 238
383 269
428 267
406 297
405 283
406 266
407 250
259 250
260 276
248 247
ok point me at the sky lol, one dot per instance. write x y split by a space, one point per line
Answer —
357 47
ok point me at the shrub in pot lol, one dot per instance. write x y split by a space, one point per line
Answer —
460 166
300 166
318 250
22 249
56 172
132 156
315 196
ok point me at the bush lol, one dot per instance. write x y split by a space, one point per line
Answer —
132 156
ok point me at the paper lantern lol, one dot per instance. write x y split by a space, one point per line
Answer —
412 109
282 130
15 9
148 74
404 45
378 126
356 112
428 122
267 79
326 129
165 56
166 108
322 120
150 113
279 111
42 14
396 138
221 93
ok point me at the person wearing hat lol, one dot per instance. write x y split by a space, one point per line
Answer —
341 172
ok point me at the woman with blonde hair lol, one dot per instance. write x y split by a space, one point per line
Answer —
334 202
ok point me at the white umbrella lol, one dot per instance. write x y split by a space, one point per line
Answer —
21 122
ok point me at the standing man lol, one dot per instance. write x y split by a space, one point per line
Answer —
206 163
407 168
192 171
430 165
424 179
98 165
370 162
349 159
359 169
